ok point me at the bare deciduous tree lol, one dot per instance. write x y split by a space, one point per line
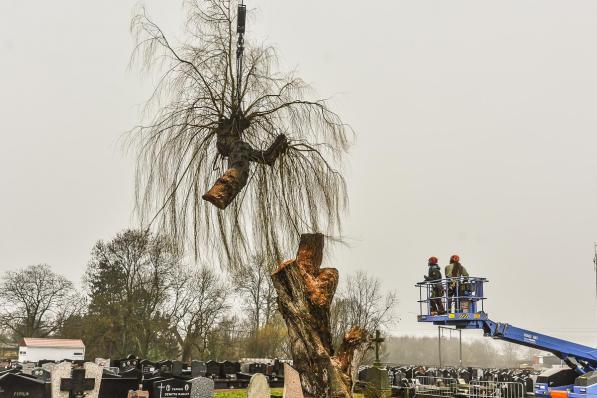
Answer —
199 303
254 282
361 303
35 301
269 159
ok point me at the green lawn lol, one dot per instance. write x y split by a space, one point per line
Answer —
276 392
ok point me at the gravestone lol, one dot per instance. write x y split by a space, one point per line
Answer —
258 387
71 383
103 362
292 383
213 369
147 366
377 381
49 366
170 368
278 368
131 373
202 387
171 388
112 370
198 368
58 372
257 367
93 371
128 363
117 387
78 385
28 367
41 374
229 369
14 385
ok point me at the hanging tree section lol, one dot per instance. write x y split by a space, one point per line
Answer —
305 293
240 154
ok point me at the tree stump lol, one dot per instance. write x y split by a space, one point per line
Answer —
305 293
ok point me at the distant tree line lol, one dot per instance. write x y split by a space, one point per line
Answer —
141 296
476 352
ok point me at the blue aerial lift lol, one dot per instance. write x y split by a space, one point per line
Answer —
459 302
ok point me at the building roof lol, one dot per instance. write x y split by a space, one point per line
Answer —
51 343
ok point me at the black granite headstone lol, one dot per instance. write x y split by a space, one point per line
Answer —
171 368
198 368
257 367
130 362
14 385
230 368
117 387
171 388
41 374
214 369
278 368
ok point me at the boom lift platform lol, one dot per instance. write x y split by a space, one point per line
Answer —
463 301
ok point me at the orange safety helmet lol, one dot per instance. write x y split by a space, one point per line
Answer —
454 259
432 260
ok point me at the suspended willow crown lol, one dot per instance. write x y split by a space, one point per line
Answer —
272 158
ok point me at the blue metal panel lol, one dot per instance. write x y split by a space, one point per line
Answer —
561 348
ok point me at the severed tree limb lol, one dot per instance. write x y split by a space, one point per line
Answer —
305 293
240 155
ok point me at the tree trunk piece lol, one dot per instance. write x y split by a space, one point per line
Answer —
305 293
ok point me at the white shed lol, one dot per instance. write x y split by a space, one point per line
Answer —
33 349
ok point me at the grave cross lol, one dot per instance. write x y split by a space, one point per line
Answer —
77 384
377 340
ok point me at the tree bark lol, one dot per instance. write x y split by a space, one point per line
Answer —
240 154
305 293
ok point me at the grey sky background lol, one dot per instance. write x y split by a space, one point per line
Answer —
476 134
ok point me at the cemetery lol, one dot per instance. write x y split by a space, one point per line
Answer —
132 376
235 269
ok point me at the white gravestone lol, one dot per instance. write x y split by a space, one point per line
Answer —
258 387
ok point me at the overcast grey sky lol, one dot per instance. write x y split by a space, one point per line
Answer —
476 131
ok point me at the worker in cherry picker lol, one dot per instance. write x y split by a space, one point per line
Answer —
457 288
435 274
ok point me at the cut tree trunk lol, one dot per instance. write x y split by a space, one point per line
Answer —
240 154
305 293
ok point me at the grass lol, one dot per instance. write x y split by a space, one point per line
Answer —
276 392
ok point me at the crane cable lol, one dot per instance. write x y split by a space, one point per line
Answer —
240 48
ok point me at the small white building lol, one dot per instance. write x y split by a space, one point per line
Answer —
33 349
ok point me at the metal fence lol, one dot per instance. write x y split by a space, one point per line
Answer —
496 389
435 386
429 386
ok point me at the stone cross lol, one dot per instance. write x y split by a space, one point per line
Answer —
77 384
377 340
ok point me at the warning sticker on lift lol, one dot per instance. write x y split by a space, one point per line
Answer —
530 338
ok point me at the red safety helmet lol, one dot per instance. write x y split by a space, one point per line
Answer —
454 259
432 260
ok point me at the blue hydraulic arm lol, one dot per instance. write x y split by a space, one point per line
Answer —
577 356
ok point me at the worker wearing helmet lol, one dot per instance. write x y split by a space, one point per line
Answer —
435 274
455 269
457 286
